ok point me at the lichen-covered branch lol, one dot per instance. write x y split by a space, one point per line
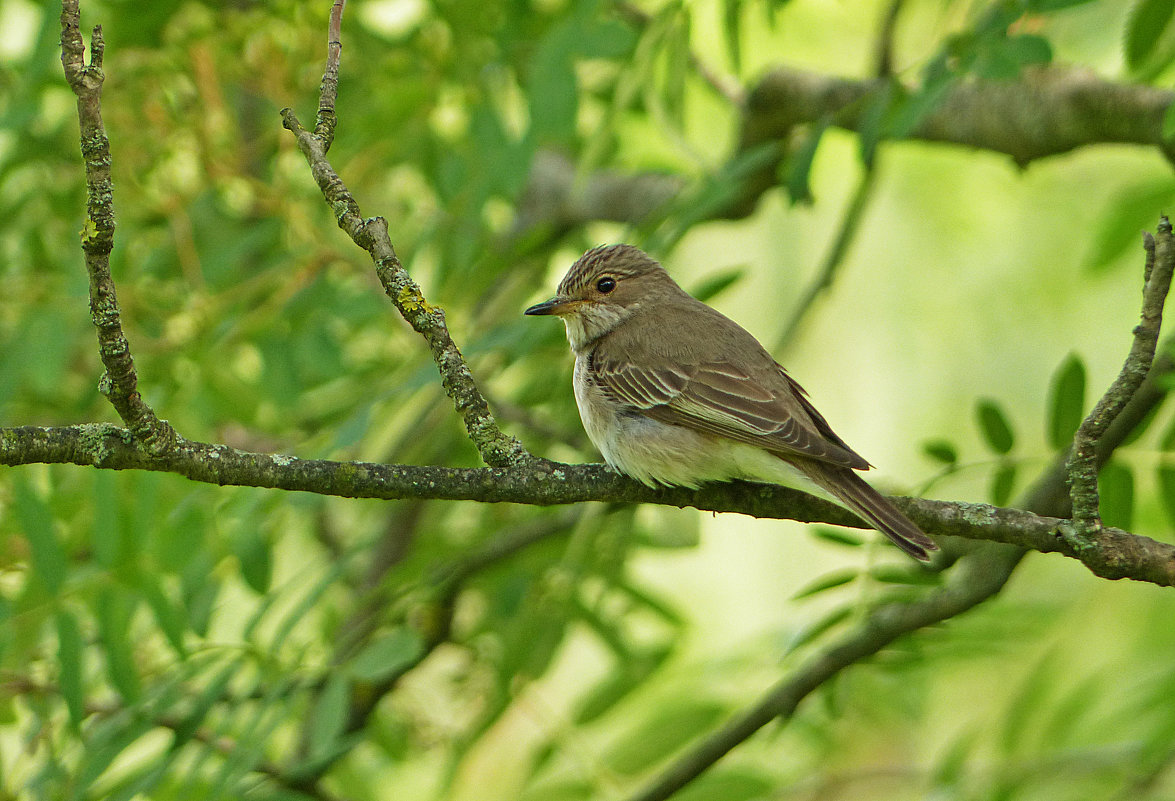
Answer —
495 447
1110 553
328 92
120 382
1083 468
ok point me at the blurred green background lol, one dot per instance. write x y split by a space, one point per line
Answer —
166 640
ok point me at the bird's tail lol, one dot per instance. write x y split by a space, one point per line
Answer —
873 507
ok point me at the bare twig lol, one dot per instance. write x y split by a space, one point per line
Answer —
1083 468
975 580
495 447
328 92
120 382
850 223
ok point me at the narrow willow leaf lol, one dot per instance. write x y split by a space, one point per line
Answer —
736 784
1166 475
115 609
70 666
891 574
48 558
387 655
667 729
1148 21
330 715
169 616
994 425
717 283
1116 495
253 552
838 536
837 578
816 629
796 169
203 702
941 451
1066 402
730 31
1003 482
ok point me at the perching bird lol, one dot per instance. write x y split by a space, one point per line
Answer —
672 392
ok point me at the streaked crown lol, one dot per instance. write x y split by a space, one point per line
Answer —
617 261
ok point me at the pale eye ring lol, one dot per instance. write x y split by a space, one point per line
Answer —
606 284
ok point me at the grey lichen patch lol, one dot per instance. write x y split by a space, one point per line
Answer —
977 514
94 440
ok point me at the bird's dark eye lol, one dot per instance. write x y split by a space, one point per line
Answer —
606 285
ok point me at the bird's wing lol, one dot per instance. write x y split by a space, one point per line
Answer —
770 411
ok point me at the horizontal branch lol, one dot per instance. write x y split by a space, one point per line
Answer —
1047 111
1112 553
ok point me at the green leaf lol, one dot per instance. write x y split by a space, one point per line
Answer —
1030 49
837 578
1116 495
69 660
252 550
169 616
668 729
1166 475
387 655
115 609
796 169
994 426
330 715
203 702
941 451
817 628
717 283
1148 21
734 784
838 536
730 32
893 574
1122 220
32 513
1066 402
1003 482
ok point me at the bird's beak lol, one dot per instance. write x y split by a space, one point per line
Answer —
556 305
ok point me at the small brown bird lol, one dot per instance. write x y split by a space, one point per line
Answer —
672 392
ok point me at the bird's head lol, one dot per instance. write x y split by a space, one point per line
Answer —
605 287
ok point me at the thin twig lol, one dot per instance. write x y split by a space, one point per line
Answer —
495 447
328 92
850 222
975 580
120 382
1083 469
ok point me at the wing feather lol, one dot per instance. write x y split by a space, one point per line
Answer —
721 399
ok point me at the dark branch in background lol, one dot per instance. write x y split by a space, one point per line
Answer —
495 447
1112 553
1047 112
1160 262
119 383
